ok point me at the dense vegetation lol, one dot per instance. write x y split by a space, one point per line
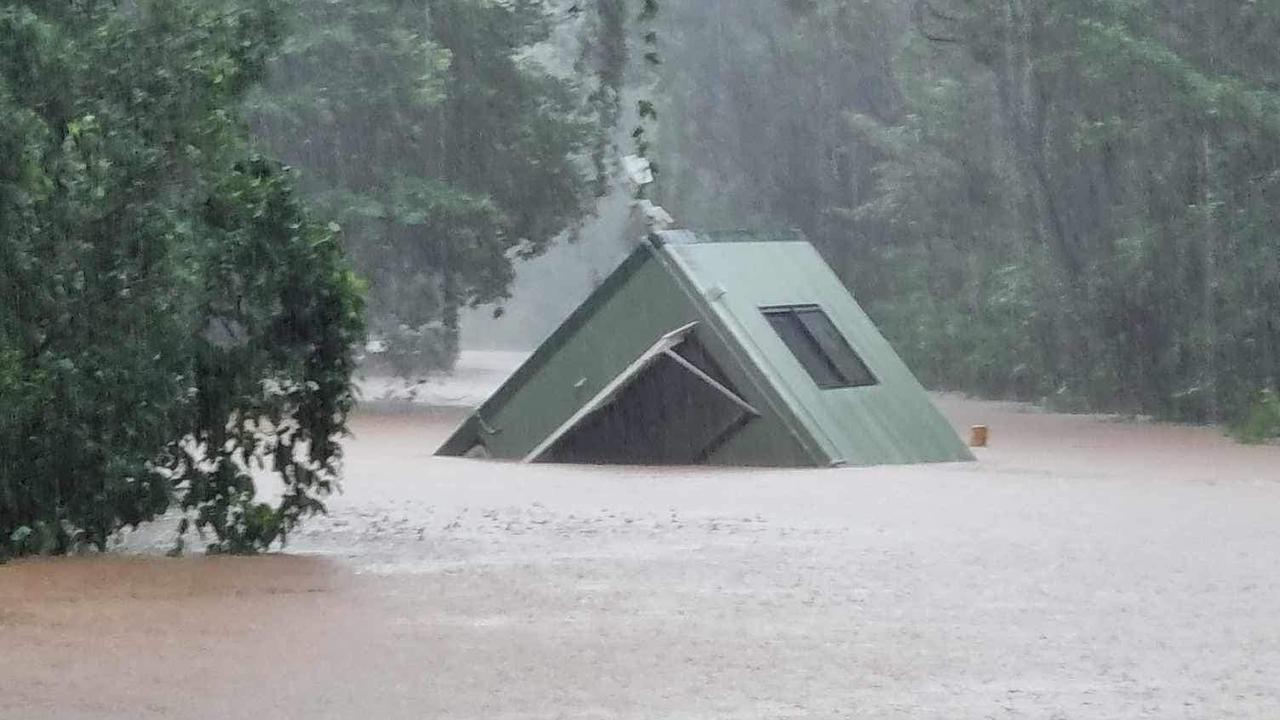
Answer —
1072 201
435 133
171 317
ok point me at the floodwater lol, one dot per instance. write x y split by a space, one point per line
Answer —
1083 568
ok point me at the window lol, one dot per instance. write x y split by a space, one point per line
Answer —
819 347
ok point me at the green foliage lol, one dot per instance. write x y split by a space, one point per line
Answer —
174 320
1066 201
1262 423
446 152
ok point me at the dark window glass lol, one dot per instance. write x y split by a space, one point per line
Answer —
819 347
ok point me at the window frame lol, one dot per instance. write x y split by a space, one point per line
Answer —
825 349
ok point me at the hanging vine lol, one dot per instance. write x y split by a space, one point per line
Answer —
646 110
606 52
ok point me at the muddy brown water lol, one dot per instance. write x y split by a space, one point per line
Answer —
1083 568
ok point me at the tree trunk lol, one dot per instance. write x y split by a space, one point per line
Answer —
1209 291
1022 101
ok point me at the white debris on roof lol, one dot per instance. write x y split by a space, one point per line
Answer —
657 217
638 169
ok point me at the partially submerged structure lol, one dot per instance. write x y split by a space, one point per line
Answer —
700 351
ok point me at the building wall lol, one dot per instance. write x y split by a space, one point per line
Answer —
625 322
763 443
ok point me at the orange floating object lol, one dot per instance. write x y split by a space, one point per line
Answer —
978 436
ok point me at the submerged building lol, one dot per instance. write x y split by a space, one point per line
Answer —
698 350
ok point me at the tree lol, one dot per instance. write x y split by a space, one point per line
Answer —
174 320
1054 200
435 135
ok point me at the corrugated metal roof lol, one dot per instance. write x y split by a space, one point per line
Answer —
891 422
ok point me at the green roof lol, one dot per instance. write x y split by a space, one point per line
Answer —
719 287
